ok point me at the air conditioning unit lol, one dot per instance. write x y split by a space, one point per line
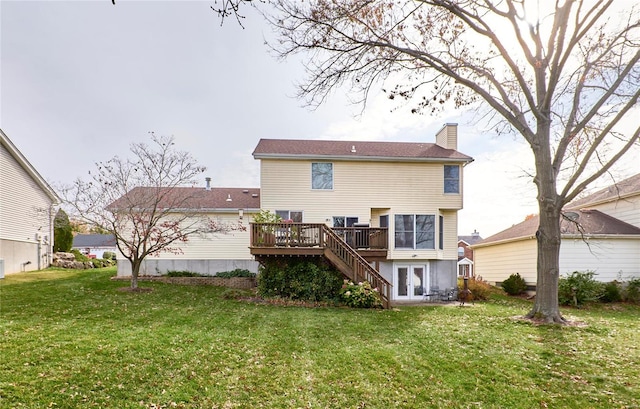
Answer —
1 268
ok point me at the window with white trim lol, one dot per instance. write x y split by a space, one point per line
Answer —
322 176
415 231
451 179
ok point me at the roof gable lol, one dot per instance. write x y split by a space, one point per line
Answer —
624 188
28 168
355 150
589 223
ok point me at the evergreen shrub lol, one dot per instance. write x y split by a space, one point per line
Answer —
514 285
299 280
578 288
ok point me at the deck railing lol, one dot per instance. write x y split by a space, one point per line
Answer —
308 235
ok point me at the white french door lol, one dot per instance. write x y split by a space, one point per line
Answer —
410 281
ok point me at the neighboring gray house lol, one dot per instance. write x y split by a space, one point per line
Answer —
94 245
27 209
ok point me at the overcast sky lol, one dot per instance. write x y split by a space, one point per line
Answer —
81 80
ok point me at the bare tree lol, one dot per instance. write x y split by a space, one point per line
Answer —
561 74
146 201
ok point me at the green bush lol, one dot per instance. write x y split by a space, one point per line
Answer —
578 288
632 291
238 272
109 255
183 274
79 256
611 292
360 295
299 280
514 285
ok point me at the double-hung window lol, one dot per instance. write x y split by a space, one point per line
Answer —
451 179
415 231
322 176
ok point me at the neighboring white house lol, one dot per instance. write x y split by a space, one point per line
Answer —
27 209
604 237
94 245
208 253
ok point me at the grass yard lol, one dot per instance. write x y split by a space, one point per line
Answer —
72 340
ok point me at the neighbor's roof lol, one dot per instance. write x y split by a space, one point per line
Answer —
26 165
356 150
191 198
591 223
94 240
624 188
470 240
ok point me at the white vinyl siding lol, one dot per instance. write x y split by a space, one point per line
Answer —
214 246
627 209
24 207
610 258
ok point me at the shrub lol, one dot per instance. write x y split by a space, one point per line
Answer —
109 255
299 280
480 289
238 272
360 295
99 263
184 273
611 292
578 288
632 291
62 232
514 285
79 256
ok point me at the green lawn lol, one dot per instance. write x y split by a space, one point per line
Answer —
71 340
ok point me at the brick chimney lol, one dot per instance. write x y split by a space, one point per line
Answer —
447 137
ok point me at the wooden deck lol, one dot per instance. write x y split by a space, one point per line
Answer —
305 239
350 249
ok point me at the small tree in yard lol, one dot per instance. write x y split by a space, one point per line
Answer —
144 201
561 74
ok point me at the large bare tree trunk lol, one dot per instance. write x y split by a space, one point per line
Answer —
548 236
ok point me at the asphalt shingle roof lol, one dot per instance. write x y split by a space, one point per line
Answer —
191 198
356 150
94 240
589 223
626 187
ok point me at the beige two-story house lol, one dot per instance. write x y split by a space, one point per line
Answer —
396 204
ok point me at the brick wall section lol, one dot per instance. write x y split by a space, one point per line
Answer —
233 282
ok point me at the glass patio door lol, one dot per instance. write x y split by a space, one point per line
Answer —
410 282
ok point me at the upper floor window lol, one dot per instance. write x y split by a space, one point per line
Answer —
415 231
451 178
322 175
